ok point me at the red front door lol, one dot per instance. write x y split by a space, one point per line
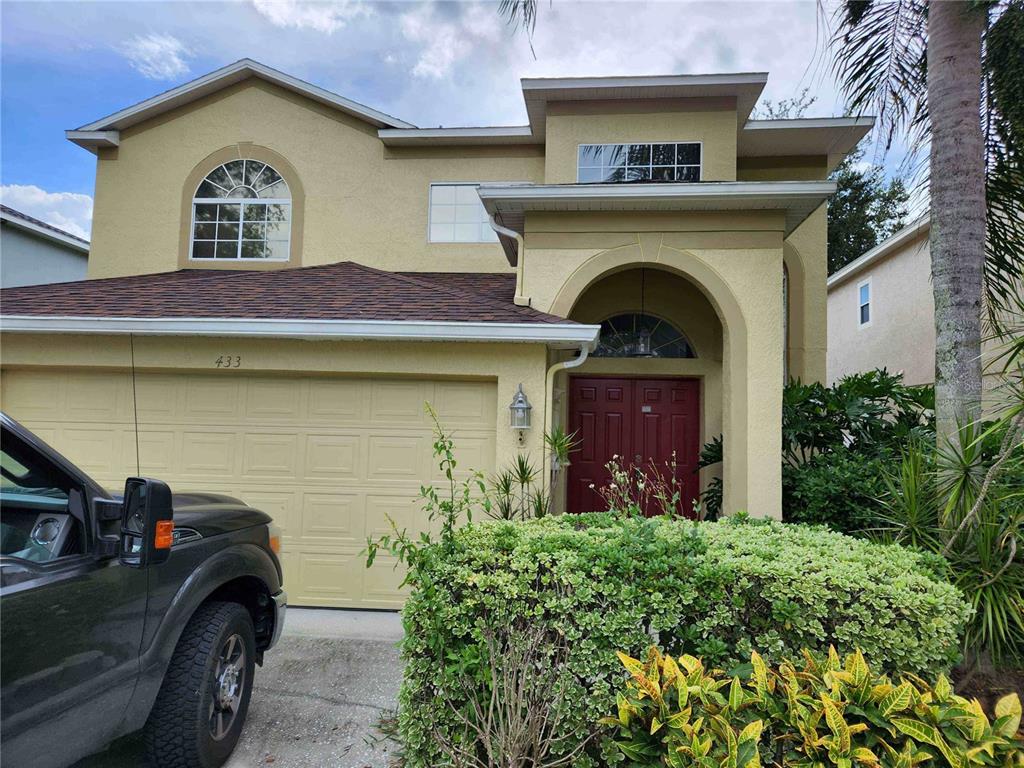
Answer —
641 421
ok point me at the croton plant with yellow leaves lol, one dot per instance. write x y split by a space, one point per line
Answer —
819 714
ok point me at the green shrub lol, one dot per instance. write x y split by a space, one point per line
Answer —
837 444
840 489
822 713
719 590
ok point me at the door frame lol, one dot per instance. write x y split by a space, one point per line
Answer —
699 378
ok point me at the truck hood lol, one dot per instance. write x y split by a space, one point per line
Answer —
212 513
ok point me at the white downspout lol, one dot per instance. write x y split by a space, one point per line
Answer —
519 299
549 398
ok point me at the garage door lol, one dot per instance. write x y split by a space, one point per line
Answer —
329 457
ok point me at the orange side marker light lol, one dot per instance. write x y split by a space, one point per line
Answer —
164 537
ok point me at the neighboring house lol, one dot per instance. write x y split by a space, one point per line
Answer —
34 252
881 314
291 275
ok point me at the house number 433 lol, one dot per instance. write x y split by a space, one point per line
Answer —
228 361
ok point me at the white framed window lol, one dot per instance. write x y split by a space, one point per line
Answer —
676 161
864 304
242 210
457 215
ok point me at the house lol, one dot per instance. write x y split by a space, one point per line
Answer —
282 277
34 252
881 314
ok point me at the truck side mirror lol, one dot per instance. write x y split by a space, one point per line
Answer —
147 526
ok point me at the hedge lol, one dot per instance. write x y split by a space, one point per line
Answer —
715 590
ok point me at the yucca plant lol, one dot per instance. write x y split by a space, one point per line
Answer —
824 712
951 504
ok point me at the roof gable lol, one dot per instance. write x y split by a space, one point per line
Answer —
105 131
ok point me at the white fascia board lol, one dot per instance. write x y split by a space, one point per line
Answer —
643 81
94 140
515 134
909 233
810 122
492 193
57 237
228 75
567 335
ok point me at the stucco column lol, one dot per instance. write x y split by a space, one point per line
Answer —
753 374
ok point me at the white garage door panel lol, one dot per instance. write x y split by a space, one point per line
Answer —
329 458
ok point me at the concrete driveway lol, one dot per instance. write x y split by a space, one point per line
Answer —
317 699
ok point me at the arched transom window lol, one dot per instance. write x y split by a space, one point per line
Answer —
242 210
635 334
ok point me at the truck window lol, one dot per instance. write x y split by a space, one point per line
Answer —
35 522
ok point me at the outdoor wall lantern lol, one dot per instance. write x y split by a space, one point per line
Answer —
519 413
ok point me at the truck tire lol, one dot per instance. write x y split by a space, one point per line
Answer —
200 710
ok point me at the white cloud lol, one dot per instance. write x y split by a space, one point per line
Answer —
70 211
326 17
158 57
445 42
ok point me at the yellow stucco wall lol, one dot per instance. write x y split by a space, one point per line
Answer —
363 201
739 274
709 121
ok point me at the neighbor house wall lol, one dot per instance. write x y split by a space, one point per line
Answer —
901 334
362 201
31 260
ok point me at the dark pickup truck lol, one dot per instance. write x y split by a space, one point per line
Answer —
147 611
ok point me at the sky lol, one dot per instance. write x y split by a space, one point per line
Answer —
65 64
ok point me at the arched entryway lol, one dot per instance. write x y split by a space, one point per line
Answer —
651 392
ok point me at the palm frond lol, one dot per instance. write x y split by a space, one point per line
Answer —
879 58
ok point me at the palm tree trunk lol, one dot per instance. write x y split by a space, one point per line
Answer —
957 186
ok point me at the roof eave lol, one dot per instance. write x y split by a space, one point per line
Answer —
229 75
94 140
908 234
401 137
67 241
797 198
567 335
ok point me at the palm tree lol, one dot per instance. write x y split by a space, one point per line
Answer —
921 67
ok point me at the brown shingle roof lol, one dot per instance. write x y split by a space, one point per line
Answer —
342 291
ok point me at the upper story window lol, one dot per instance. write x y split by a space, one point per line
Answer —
458 216
864 303
618 163
242 210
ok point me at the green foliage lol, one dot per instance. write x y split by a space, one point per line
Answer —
864 211
839 489
711 498
821 713
867 412
605 583
935 502
838 442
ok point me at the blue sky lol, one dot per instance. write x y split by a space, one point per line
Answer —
430 63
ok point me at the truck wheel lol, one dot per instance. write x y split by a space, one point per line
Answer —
200 710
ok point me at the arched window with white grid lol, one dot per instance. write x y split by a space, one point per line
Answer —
242 210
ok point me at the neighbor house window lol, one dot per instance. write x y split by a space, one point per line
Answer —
458 216
617 163
864 303
242 210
